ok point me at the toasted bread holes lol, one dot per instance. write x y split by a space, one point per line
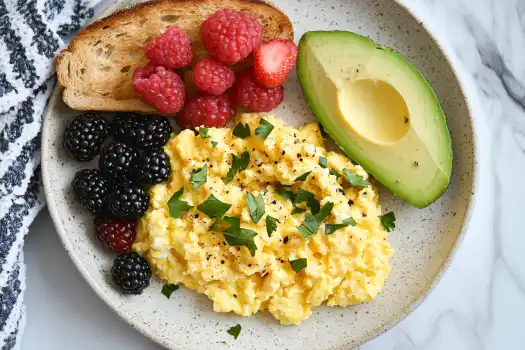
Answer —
125 69
170 18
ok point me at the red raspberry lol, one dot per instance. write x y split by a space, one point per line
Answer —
208 111
230 36
253 96
116 234
213 76
160 88
172 49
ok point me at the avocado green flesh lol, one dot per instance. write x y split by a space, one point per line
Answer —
380 110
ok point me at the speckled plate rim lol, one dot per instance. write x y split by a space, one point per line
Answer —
141 327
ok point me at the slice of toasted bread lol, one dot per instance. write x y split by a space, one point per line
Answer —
96 69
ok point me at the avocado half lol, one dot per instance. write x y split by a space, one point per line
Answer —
380 110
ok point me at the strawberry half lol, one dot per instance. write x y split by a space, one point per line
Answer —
273 61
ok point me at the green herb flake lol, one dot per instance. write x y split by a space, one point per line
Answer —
264 129
169 288
256 206
213 207
335 173
285 192
303 196
241 131
331 228
203 132
354 179
298 210
314 205
388 221
214 144
312 222
303 177
271 225
236 236
176 206
298 264
235 331
238 164
199 177
323 162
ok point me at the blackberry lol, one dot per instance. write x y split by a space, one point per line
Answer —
117 235
118 161
131 272
128 201
91 189
84 136
141 131
154 167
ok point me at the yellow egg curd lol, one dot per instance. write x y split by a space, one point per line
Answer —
292 269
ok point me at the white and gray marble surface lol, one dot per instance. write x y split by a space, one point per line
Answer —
480 302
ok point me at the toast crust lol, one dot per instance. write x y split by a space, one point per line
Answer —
96 68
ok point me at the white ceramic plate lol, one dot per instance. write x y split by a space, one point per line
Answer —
424 239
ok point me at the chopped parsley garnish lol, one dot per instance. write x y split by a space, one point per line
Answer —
256 206
303 196
335 173
285 192
264 129
271 225
238 164
314 205
303 177
298 264
242 131
214 143
323 162
312 222
235 331
213 207
354 179
236 236
331 228
204 132
388 221
297 210
169 288
199 177
234 222
176 206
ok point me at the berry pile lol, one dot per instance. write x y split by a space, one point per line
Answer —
230 37
114 193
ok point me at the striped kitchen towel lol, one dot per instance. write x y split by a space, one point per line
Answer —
31 34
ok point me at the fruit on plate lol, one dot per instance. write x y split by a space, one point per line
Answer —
91 189
131 272
128 201
230 35
172 49
96 69
117 235
253 96
84 136
118 161
380 110
160 88
207 111
212 76
141 131
153 167
274 61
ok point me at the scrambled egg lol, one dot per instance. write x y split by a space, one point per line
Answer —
346 267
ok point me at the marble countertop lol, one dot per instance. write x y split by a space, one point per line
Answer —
480 302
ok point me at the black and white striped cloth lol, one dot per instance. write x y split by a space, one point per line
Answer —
31 34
